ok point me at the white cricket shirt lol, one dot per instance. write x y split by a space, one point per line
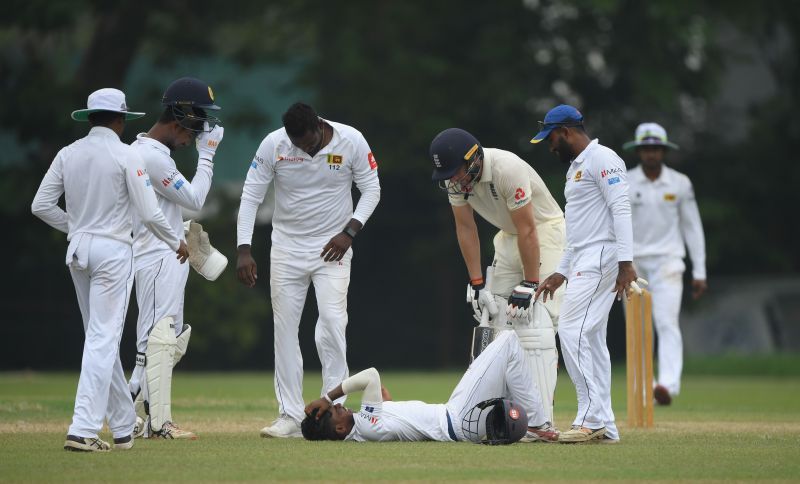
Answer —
379 421
173 191
508 183
666 219
104 181
597 208
313 200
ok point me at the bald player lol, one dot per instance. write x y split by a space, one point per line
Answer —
597 263
314 163
511 196
104 182
162 336
666 221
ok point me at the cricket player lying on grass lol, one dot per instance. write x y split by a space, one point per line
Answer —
496 402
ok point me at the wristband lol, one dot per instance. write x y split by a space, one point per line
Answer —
349 232
327 398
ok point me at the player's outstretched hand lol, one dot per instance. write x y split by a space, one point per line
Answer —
336 248
320 404
246 269
183 252
549 286
626 275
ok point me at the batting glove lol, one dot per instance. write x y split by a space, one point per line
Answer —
207 141
481 299
519 303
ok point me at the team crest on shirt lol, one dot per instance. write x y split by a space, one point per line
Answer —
578 175
334 159
670 197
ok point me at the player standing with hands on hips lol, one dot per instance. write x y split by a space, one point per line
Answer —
510 195
597 263
104 181
665 221
161 335
313 163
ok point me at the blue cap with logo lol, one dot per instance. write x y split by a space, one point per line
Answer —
451 149
562 115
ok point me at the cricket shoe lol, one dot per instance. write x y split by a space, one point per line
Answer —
662 396
171 431
543 433
283 427
123 443
86 444
578 434
139 428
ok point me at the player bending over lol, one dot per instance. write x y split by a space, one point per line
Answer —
492 402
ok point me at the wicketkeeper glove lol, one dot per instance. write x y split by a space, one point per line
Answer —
205 259
519 302
481 299
207 141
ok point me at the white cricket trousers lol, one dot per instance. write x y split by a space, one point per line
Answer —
160 291
291 272
507 262
102 270
665 277
582 332
501 370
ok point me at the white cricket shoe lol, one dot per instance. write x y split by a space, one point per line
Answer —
283 427
86 444
543 433
578 434
138 428
123 443
171 431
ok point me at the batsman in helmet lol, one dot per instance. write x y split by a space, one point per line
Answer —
510 195
162 334
496 402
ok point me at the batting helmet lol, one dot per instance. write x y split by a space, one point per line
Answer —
189 99
450 149
497 421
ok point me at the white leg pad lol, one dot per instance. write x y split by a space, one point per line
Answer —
182 343
538 339
161 347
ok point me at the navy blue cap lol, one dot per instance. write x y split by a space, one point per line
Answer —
561 115
449 150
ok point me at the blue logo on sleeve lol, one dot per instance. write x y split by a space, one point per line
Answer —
612 181
147 182
253 165
179 184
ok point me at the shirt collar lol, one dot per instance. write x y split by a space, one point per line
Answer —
486 170
102 131
144 139
583 154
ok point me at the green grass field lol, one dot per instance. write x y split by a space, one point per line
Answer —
723 427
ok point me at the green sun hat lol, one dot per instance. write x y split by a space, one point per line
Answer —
106 99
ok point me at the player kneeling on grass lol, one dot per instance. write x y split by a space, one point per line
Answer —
496 402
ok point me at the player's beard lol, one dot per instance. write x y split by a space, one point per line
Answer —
564 151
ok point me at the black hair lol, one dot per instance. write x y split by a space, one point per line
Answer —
104 118
321 429
299 119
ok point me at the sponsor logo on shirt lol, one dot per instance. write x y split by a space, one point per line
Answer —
292 159
178 184
519 194
373 164
605 173
670 197
141 172
369 417
494 191
166 181
334 159
147 182
253 165
613 181
578 175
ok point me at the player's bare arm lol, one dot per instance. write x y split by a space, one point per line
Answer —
246 269
548 286
626 275
335 249
527 240
468 241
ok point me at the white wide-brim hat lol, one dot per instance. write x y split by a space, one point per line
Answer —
106 99
650 134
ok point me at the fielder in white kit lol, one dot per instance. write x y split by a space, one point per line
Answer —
495 402
597 263
162 336
104 182
313 163
511 196
665 221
